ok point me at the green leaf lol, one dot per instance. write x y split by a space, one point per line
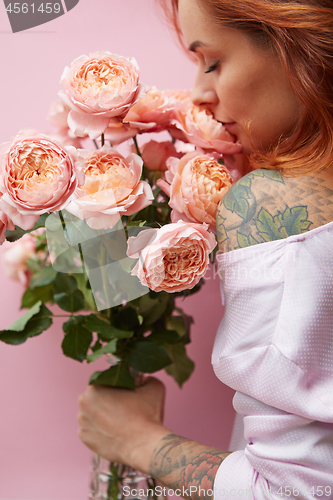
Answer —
269 227
126 319
70 302
245 241
111 347
252 241
147 357
41 293
182 325
242 240
79 319
84 286
182 365
18 233
33 265
274 175
65 282
44 277
138 223
20 323
236 198
220 228
115 376
66 293
152 309
176 323
164 337
246 181
96 346
98 325
31 324
77 339
40 322
295 220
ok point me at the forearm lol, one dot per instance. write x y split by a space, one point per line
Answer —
186 466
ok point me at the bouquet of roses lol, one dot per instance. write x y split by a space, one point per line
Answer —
113 237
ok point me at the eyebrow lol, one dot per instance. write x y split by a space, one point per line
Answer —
194 45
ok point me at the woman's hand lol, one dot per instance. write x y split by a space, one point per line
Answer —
126 427
122 425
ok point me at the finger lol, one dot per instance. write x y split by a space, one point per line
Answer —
88 438
83 421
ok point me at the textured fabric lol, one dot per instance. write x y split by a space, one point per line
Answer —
237 439
274 346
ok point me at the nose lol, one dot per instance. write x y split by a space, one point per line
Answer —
203 92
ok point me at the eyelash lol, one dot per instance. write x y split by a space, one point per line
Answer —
212 67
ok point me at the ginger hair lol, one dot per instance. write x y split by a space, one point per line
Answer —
300 31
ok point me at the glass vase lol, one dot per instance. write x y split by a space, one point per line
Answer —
111 481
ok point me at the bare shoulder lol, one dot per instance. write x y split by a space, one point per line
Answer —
265 206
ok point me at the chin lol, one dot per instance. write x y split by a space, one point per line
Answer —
247 149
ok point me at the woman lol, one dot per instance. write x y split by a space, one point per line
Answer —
265 69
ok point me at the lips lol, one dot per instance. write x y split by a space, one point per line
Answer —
228 125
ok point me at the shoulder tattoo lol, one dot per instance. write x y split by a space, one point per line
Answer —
264 206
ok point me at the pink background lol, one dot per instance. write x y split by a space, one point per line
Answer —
41 457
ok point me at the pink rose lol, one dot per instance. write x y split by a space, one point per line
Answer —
37 176
118 132
99 88
5 224
155 154
151 113
154 109
65 137
179 99
15 256
196 125
197 184
58 114
112 188
172 258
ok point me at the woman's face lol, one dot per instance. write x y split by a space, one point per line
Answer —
238 81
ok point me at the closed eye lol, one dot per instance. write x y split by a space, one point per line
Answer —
212 67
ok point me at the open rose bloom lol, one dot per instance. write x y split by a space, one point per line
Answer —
173 258
151 113
37 176
197 185
112 188
99 88
197 125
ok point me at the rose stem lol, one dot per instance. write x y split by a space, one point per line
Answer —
136 146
